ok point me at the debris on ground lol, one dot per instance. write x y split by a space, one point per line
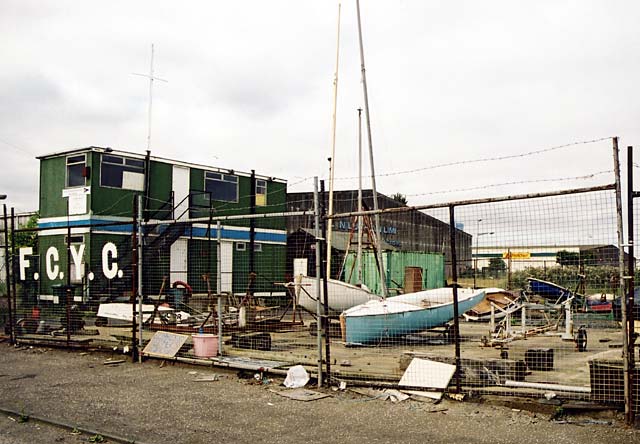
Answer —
297 377
301 394
384 395
207 378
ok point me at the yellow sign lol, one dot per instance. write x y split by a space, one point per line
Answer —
516 255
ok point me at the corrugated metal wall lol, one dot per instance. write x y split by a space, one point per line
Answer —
432 265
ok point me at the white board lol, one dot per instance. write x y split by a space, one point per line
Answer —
180 188
165 344
226 266
132 181
77 199
178 260
300 267
428 374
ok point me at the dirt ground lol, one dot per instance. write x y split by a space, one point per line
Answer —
158 401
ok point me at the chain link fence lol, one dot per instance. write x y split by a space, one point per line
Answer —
358 297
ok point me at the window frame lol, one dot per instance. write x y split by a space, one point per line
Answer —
124 165
244 246
66 169
264 203
222 177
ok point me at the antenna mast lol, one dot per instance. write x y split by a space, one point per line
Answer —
151 78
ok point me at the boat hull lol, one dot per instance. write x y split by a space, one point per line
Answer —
504 299
341 296
405 314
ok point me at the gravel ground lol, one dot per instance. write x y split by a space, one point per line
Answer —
162 402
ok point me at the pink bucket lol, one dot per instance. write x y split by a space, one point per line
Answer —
205 345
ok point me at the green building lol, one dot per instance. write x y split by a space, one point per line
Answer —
93 190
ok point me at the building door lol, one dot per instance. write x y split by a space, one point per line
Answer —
180 189
226 267
178 261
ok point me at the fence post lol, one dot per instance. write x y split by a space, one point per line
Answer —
13 302
139 274
67 292
219 282
316 214
252 235
325 286
8 263
454 276
622 295
134 286
631 295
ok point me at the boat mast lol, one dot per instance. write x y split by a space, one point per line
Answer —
383 284
333 149
359 254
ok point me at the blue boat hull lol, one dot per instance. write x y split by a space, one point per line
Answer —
549 290
372 328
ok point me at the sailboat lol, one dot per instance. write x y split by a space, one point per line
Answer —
366 317
401 315
340 295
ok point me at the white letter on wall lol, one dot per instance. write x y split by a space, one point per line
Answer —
110 270
77 260
52 269
24 263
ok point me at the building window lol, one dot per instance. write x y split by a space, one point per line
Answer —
242 246
121 172
76 170
76 240
261 192
222 187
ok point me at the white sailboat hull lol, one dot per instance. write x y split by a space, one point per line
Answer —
341 296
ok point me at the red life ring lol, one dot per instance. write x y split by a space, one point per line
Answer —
186 286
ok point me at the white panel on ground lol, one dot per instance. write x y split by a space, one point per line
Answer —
178 261
429 374
300 267
226 266
180 181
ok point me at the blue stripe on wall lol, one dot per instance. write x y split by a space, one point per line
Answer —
227 234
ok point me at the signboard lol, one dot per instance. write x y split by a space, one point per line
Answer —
165 344
516 255
77 199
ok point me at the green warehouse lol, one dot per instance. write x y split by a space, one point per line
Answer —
92 190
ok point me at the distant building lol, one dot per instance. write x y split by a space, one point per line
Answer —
521 257
410 231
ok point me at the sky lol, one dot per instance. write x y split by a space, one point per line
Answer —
250 86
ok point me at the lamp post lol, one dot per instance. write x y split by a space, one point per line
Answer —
478 234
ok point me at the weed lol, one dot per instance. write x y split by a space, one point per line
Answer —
97 438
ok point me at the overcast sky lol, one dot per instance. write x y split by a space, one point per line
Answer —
250 86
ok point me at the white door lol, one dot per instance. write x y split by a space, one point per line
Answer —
226 266
300 267
178 261
180 189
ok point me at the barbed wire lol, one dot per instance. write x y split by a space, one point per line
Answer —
487 159
521 182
